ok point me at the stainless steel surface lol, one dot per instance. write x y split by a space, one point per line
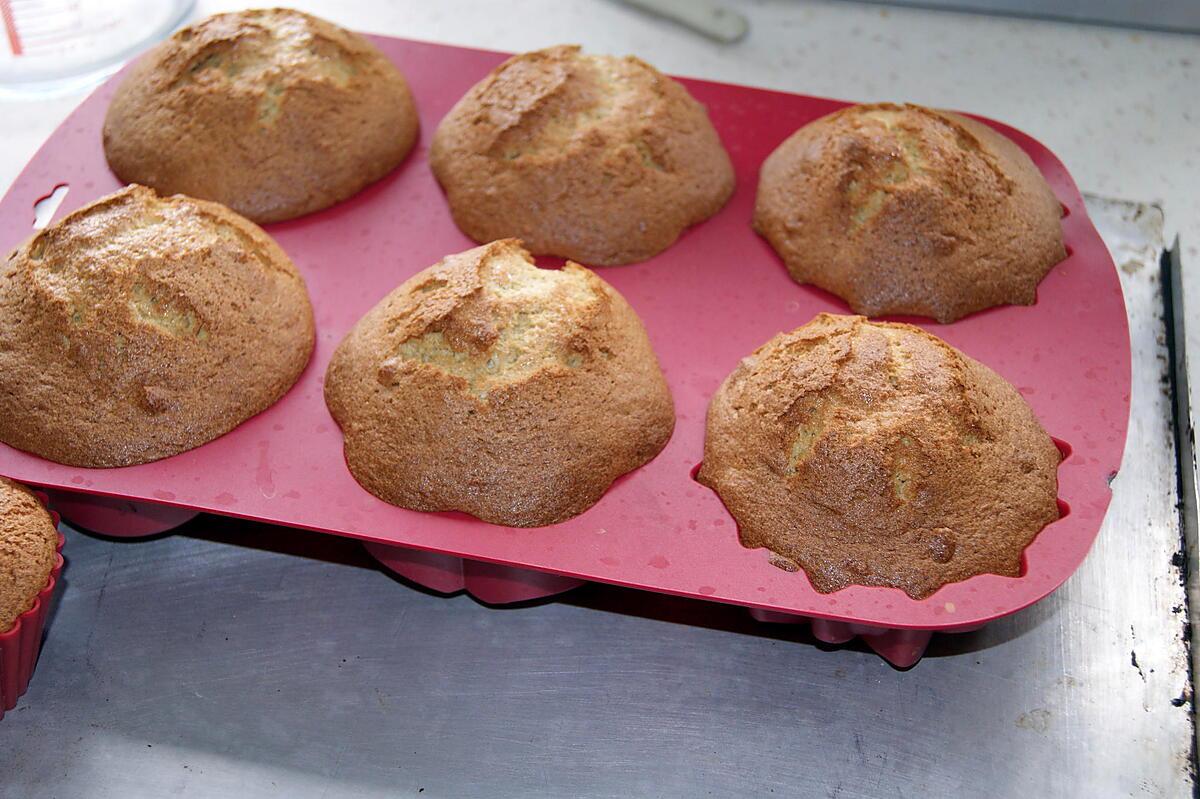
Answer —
234 660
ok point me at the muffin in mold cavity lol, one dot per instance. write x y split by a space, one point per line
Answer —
876 454
273 112
600 159
486 385
909 210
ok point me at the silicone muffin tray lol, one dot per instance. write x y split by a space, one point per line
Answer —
709 300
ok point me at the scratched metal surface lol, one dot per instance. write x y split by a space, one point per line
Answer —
236 660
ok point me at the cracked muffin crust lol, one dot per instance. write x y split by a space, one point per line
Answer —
909 210
876 454
486 385
142 326
274 113
28 542
600 159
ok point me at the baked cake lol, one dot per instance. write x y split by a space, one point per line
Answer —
274 113
486 385
909 210
600 159
876 454
28 543
142 326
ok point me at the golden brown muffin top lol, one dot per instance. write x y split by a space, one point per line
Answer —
876 454
592 157
487 385
909 210
273 112
140 326
28 542
496 325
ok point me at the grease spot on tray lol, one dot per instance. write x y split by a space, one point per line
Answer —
263 475
660 562
706 590
1037 720
610 561
166 496
225 498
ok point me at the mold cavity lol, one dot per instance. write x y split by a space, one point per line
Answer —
1070 250
1064 510
1064 448
1024 570
45 207
696 472
1065 210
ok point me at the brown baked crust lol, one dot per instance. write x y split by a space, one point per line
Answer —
139 327
28 541
486 385
909 210
273 112
599 159
877 454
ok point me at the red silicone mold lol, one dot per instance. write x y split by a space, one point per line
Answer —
488 582
19 647
117 516
706 302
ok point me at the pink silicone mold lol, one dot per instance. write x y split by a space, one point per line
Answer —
492 583
117 516
901 648
20 646
714 296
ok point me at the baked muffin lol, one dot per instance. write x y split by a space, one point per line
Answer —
877 454
28 543
142 326
274 113
601 159
909 210
487 385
